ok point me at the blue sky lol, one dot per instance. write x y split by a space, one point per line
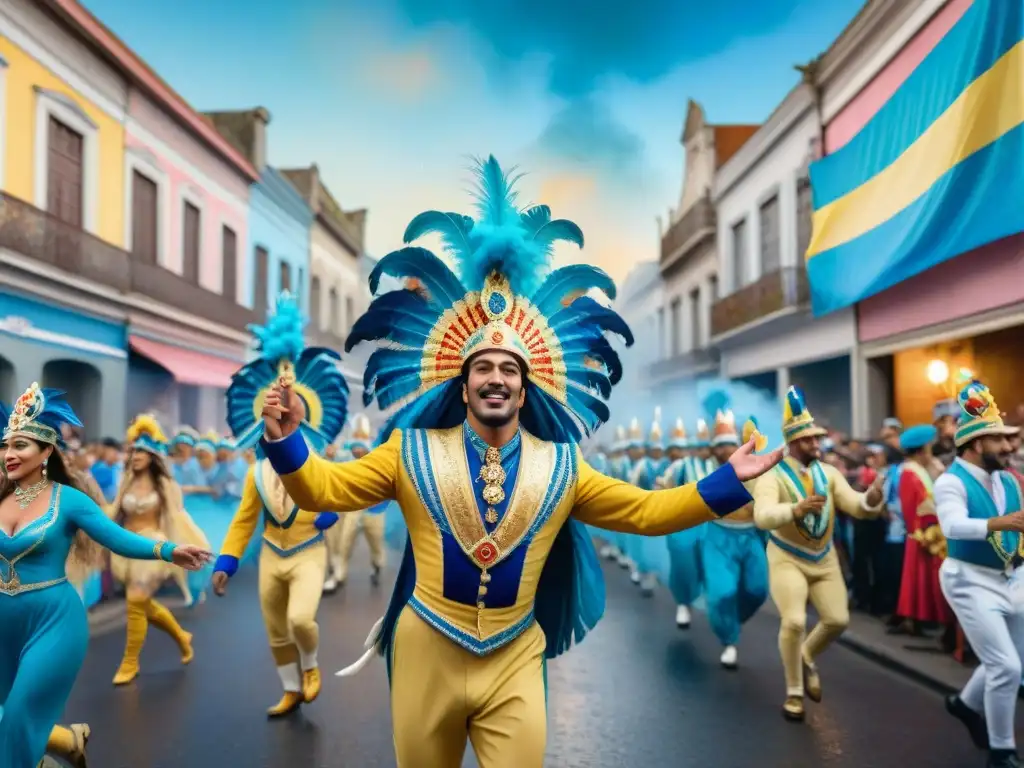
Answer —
392 97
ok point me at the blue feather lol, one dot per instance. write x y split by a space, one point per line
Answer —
56 412
795 396
588 377
567 281
281 338
438 408
547 419
570 597
496 195
534 218
559 230
454 229
587 311
441 283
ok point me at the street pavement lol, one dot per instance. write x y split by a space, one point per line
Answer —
637 692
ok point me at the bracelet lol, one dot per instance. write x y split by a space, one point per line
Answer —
164 550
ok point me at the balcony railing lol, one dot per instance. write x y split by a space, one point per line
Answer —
26 230
696 224
694 361
782 289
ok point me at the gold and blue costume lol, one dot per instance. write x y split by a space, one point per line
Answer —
732 556
802 563
292 561
44 632
499 572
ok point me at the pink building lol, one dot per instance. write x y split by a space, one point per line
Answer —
962 313
186 223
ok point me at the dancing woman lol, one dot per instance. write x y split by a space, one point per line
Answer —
43 626
149 503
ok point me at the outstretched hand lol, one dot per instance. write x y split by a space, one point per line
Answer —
191 558
282 412
749 465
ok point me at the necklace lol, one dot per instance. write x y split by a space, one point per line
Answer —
26 496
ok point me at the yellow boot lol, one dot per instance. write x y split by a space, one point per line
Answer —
310 684
136 638
165 620
290 702
70 743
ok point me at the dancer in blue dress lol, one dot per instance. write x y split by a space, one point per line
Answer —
734 564
43 627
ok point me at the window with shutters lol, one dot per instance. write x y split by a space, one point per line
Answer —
229 250
713 289
190 243
65 175
739 255
284 280
260 284
804 211
300 284
314 303
769 230
333 308
696 326
145 220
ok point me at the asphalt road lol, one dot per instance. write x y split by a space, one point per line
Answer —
637 692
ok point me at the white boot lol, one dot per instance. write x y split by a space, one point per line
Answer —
683 616
647 584
635 576
330 584
608 552
623 561
729 657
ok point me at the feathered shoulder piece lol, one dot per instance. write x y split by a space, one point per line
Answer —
145 433
312 372
501 296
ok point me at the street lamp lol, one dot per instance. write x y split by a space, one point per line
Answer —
937 372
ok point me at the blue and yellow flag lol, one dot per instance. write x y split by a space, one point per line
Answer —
938 171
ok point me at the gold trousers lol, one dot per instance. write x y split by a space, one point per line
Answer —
289 598
441 694
340 544
793 580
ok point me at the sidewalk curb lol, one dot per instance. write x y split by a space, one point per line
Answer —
881 657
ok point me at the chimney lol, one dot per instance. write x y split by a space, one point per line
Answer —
261 119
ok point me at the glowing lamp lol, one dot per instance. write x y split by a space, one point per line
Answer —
937 372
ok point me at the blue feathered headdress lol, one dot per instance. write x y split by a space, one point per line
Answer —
312 372
40 414
502 296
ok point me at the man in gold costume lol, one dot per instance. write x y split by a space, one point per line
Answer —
293 559
496 383
798 502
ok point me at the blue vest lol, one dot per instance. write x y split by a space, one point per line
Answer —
981 506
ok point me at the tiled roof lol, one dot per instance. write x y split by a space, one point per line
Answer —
729 139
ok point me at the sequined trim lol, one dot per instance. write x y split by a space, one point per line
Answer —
476 646
297 548
270 514
158 551
436 461
20 589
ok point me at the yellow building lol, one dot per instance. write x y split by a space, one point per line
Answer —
59 149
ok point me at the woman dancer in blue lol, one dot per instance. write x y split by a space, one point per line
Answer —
149 503
43 626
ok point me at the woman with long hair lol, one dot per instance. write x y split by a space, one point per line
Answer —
44 523
149 503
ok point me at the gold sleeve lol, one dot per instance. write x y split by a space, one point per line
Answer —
618 506
770 509
244 523
320 485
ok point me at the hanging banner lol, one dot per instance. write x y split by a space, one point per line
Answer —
937 172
